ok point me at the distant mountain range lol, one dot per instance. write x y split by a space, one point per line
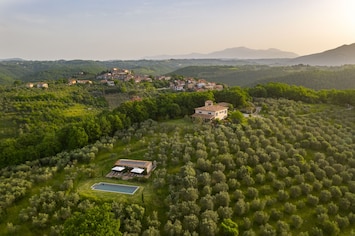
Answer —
242 53
342 55
12 59
334 57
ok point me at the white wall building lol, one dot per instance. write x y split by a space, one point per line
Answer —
211 111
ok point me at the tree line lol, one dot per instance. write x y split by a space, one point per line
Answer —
299 93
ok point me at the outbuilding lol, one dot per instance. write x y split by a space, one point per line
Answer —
135 166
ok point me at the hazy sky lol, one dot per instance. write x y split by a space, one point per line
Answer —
133 29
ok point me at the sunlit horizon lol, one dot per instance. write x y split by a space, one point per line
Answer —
88 29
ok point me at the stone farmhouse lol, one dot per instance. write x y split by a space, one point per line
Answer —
211 111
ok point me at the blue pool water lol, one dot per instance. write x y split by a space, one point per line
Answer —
116 188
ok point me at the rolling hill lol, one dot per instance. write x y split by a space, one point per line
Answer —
314 77
26 71
334 57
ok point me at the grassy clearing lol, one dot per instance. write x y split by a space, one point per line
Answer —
78 110
103 164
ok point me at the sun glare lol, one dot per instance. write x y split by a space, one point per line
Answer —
348 9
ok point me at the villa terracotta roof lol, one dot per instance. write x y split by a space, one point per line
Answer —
211 108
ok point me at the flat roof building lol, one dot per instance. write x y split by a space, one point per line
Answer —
135 164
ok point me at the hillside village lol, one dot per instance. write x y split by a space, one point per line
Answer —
181 84
115 75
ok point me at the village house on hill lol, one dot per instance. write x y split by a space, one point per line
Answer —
211 111
116 74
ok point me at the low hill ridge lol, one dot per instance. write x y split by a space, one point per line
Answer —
342 55
234 53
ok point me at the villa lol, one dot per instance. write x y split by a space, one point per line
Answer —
211 111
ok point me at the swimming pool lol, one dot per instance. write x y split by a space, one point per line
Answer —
115 188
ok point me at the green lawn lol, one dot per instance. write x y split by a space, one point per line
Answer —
78 110
180 122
